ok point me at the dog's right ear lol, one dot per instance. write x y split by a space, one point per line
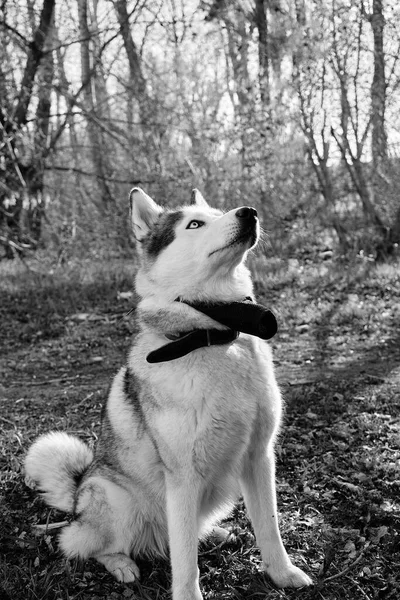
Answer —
144 212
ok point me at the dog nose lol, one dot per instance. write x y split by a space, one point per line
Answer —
246 212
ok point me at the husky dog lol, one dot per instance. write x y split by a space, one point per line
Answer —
191 419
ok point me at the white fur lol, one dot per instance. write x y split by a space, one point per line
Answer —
49 464
144 211
201 431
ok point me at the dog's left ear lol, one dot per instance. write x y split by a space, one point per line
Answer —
144 212
197 198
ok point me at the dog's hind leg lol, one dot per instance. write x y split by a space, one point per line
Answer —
103 528
258 486
83 540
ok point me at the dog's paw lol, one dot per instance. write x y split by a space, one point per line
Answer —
220 535
289 576
121 566
30 483
126 573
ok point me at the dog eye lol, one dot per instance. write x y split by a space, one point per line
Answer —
195 224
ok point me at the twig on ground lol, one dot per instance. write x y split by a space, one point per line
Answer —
348 568
58 380
217 546
42 529
364 594
7 421
90 395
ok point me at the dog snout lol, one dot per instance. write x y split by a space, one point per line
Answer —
246 213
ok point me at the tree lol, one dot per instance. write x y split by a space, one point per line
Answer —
88 76
378 87
20 176
342 91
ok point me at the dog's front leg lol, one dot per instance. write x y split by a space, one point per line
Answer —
182 514
258 486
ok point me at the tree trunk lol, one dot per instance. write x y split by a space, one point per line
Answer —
138 82
33 61
98 152
100 87
18 176
378 88
261 21
35 181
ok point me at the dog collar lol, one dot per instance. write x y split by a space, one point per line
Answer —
246 317
187 342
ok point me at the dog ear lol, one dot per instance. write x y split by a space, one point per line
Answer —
197 198
144 212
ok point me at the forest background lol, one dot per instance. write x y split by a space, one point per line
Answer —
288 106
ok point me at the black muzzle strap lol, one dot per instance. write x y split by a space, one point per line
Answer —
246 317
199 338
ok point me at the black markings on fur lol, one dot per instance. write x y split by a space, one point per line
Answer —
104 405
131 390
105 453
163 233
107 440
77 476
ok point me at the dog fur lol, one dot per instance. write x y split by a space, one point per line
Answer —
180 441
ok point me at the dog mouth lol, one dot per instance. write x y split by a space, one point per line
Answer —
248 236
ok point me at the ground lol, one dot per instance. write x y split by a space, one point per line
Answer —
337 354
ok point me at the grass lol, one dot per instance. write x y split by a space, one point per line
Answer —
64 334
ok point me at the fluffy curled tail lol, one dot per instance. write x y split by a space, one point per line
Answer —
54 465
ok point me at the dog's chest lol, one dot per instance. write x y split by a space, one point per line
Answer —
206 405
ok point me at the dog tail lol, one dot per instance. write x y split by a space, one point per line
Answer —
54 466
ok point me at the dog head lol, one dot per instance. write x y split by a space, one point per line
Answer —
195 252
